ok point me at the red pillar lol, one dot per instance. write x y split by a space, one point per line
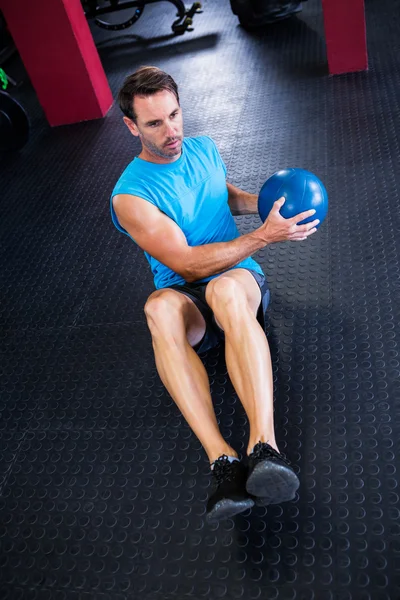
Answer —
59 54
345 35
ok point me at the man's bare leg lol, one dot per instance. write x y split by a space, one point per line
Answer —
176 325
234 298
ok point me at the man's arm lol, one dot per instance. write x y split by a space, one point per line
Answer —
240 202
161 237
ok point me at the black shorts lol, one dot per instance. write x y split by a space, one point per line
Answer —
214 334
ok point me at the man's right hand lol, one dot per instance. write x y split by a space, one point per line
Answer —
278 229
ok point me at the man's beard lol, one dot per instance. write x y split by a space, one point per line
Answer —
163 151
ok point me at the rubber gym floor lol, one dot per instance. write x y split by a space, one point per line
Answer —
102 484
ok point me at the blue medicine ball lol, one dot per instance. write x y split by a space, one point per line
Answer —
302 191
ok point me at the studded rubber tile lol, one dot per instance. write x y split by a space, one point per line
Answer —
103 486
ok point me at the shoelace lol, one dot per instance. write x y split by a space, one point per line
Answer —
223 469
263 451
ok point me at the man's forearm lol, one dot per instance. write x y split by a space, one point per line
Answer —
212 259
240 202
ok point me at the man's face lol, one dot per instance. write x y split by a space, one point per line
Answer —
159 125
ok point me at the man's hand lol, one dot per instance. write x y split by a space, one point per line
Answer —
278 229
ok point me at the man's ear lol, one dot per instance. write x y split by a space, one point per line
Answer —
131 126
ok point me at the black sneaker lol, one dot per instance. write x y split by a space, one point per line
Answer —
230 496
271 479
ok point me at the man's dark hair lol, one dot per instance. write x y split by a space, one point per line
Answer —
146 81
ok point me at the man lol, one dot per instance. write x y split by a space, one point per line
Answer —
174 202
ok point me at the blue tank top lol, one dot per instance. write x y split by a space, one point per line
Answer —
192 192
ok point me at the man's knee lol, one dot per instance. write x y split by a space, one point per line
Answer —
225 291
162 307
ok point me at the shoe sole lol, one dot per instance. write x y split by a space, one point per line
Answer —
226 509
272 484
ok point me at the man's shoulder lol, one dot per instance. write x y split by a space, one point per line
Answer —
134 180
203 143
130 168
200 139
